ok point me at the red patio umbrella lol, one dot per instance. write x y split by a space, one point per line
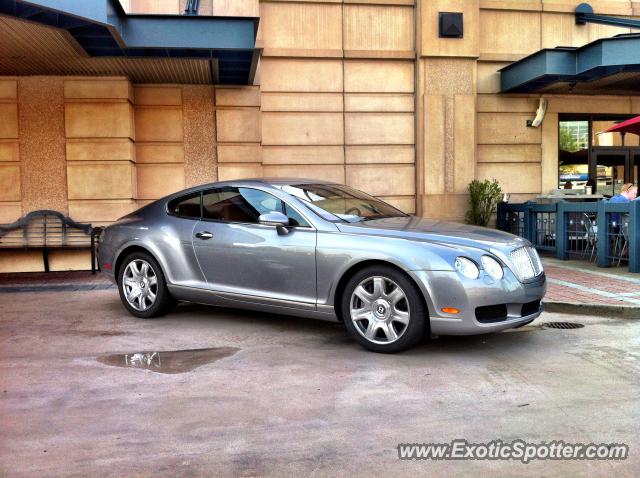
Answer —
629 126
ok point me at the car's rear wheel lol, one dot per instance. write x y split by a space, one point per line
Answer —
142 286
383 310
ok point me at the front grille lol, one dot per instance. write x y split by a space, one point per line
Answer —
491 313
526 263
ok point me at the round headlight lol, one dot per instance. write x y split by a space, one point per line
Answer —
492 267
467 268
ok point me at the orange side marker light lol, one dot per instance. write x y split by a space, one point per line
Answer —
450 310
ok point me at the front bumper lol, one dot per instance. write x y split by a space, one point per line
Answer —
444 289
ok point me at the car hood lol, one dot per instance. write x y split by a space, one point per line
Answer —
431 230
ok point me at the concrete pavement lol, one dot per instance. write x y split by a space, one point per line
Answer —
285 396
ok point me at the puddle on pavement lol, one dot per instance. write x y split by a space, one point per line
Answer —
171 361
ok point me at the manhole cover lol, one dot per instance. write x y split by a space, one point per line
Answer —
562 325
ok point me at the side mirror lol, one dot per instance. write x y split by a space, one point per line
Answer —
277 219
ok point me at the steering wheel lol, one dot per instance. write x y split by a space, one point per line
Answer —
354 209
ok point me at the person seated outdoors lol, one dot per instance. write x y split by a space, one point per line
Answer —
628 193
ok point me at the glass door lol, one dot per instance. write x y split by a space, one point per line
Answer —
611 167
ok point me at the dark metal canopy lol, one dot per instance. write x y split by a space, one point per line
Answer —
602 64
103 29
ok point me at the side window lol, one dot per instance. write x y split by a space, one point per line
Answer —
295 218
185 206
261 201
238 204
245 205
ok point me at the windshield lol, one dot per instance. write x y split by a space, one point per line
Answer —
336 202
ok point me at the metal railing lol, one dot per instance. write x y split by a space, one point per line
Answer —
607 233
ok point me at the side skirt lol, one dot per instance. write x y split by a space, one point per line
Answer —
248 302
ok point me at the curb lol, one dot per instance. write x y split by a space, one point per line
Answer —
610 311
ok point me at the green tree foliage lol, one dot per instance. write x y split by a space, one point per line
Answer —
568 140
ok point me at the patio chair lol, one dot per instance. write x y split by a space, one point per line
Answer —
624 229
592 237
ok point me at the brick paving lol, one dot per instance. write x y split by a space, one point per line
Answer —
581 282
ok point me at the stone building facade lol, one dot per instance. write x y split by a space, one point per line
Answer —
364 92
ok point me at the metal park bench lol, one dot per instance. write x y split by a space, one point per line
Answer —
46 231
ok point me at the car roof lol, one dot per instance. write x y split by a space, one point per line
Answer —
249 182
278 181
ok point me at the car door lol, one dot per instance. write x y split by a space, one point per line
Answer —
242 257
174 240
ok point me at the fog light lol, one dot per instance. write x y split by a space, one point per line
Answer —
450 310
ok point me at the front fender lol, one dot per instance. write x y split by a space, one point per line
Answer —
338 254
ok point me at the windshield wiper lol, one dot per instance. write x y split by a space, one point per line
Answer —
379 216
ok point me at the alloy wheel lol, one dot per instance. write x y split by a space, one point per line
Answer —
140 284
379 310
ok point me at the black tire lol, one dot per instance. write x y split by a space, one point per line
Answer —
163 302
411 334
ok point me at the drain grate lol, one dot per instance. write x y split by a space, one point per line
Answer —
562 325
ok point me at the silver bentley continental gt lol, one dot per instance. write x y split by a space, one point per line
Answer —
325 250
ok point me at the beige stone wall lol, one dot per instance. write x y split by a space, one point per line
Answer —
32 145
466 128
337 94
525 160
100 154
159 142
42 144
10 181
238 132
96 149
232 8
356 91
200 155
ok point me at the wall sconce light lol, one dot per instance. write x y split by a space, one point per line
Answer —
450 25
542 110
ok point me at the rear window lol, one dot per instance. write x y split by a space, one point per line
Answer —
185 206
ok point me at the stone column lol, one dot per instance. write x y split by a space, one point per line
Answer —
447 109
10 182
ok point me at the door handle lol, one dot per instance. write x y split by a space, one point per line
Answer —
204 235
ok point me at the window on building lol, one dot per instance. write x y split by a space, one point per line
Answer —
573 159
586 153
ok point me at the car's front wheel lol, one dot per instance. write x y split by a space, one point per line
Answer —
142 286
383 310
